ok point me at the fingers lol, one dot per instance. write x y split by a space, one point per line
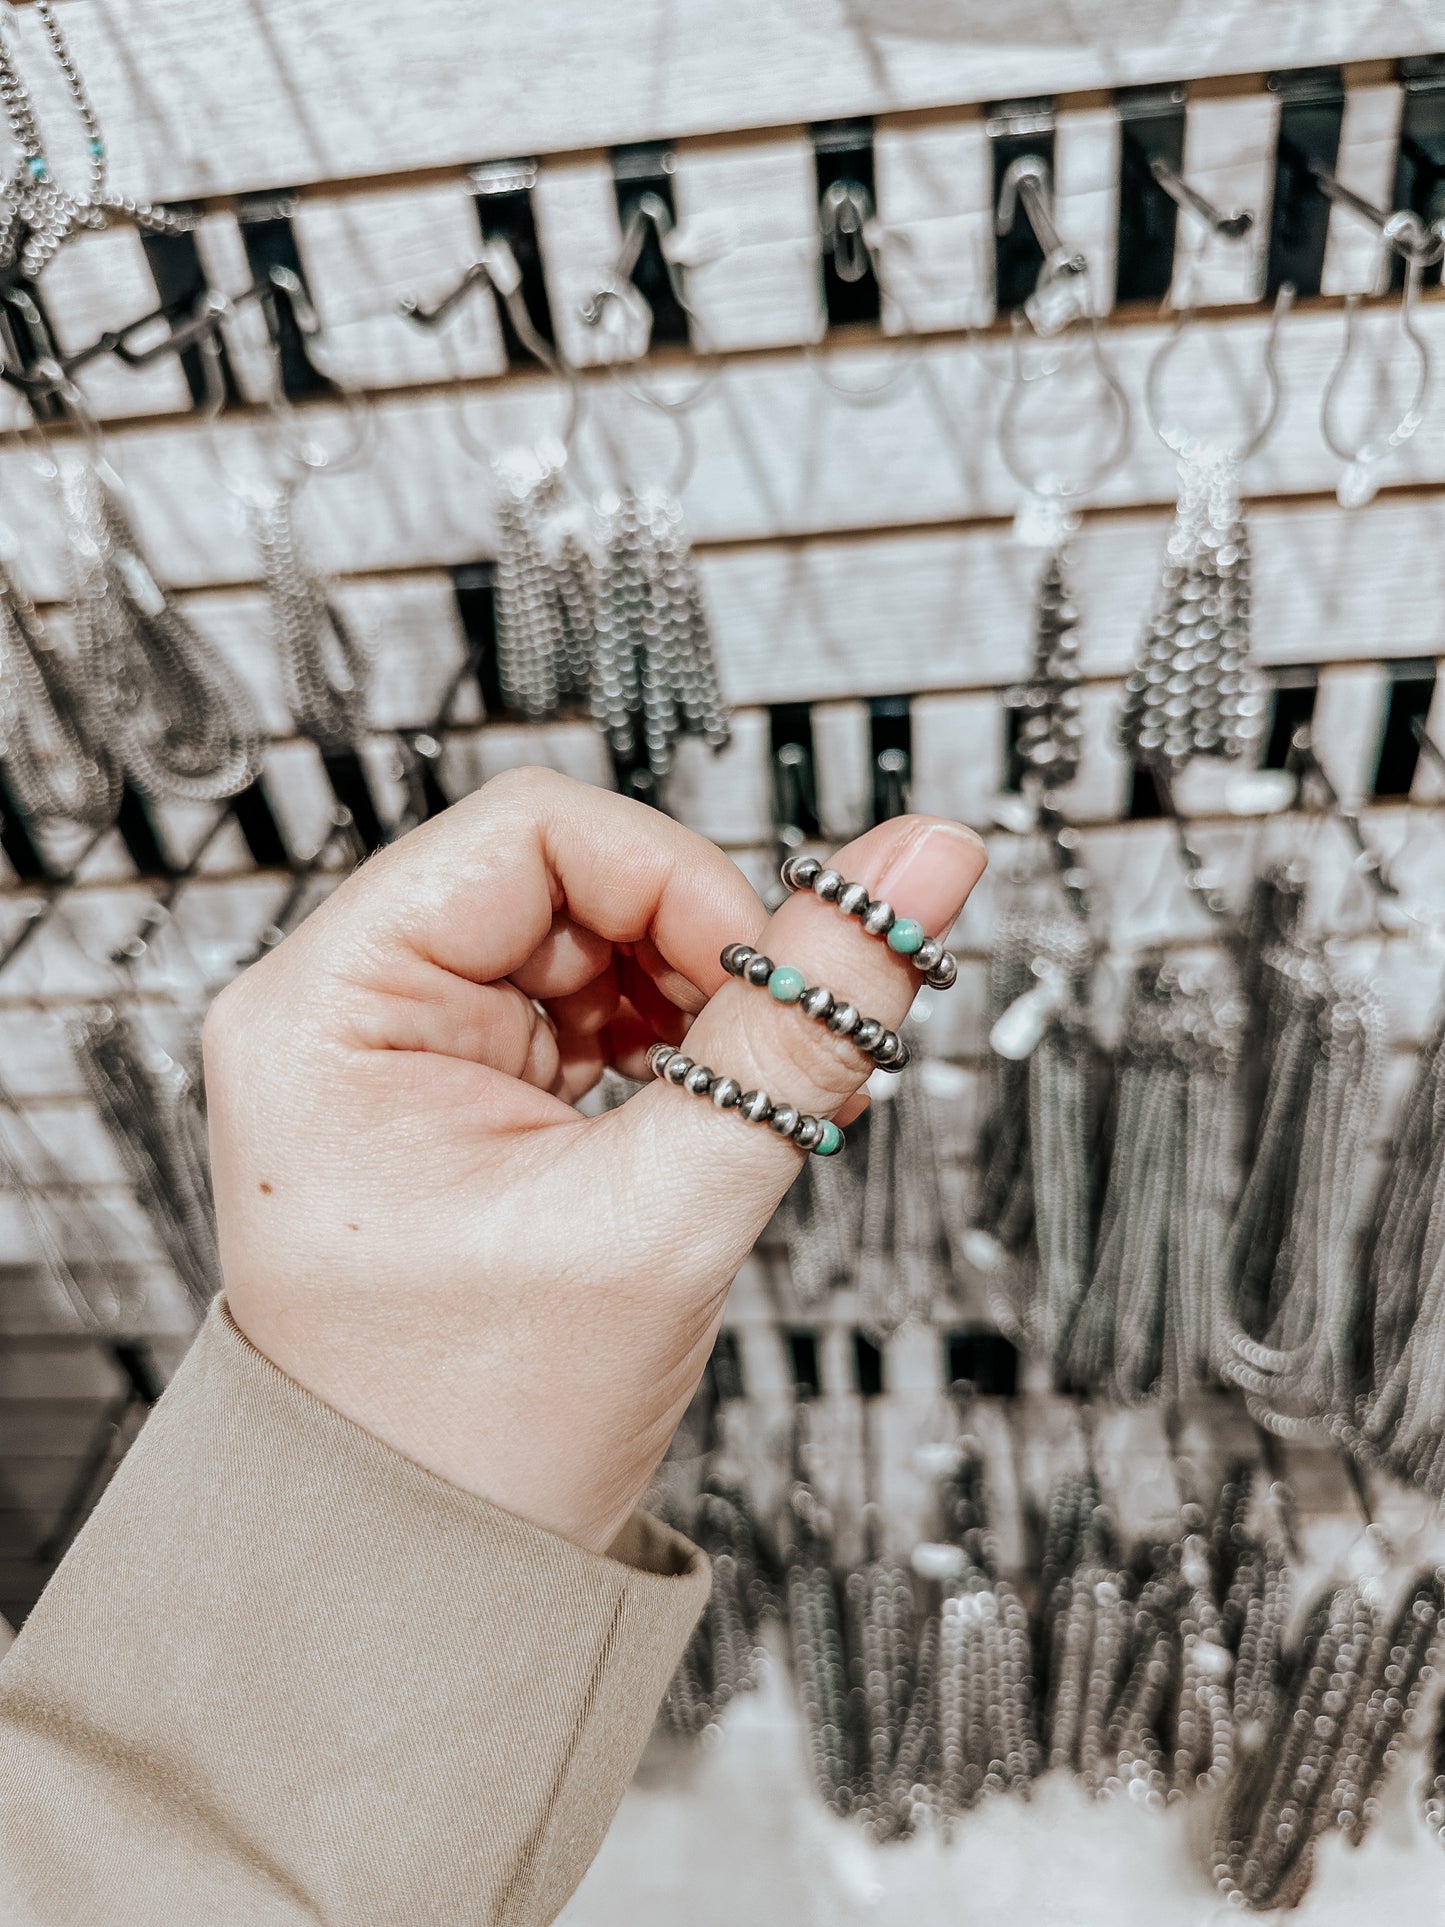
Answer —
475 893
925 869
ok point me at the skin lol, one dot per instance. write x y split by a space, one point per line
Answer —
417 1226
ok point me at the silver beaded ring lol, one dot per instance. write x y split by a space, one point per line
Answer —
820 1135
903 935
785 985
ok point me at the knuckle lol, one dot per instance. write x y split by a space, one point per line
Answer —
789 1045
528 783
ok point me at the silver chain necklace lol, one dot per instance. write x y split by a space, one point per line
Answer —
39 214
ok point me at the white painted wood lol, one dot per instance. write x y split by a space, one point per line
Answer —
935 191
1369 143
958 744
574 205
759 199
1086 186
844 777
212 99
727 795
1229 148
1348 719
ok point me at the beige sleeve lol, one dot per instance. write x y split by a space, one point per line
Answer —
285 1675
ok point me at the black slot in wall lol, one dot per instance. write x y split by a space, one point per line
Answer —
794 764
502 195
175 264
1151 127
1412 690
983 1359
138 833
1420 165
474 584
890 730
1292 708
22 852
867 1365
648 169
269 237
1017 128
1312 106
843 152
257 823
803 1361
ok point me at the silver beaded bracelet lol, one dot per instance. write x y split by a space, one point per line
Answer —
786 985
903 935
816 1134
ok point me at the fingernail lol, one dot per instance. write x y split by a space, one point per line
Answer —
931 874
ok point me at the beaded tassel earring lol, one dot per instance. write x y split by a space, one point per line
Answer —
176 717
1049 729
1194 690
325 668
653 674
820 1222
56 761
902 1258
546 586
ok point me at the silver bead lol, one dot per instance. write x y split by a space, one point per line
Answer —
799 872
827 885
698 1080
726 1092
677 1067
816 1002
927 954
784 1119
853 899
944 974
845 1019
758 969
878 919
734 957
756 1106
869 1034
892 1053
657 1057
807 1132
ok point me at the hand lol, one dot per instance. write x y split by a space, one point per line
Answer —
414 1222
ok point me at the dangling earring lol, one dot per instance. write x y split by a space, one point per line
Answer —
56 761
1047 704
325 667
546 585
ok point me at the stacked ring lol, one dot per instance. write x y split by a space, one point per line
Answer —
816 1134
904 936
788 986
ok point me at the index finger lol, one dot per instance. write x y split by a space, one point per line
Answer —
475 890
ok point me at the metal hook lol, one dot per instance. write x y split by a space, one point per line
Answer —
1009 430
1402 231
1176 438
650 211
1061 296
496 267
1233 226
845 214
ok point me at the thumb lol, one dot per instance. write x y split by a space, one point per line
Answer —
725 1175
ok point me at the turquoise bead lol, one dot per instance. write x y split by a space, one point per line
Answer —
786 985
97 150
37 166
906 936
829 1142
